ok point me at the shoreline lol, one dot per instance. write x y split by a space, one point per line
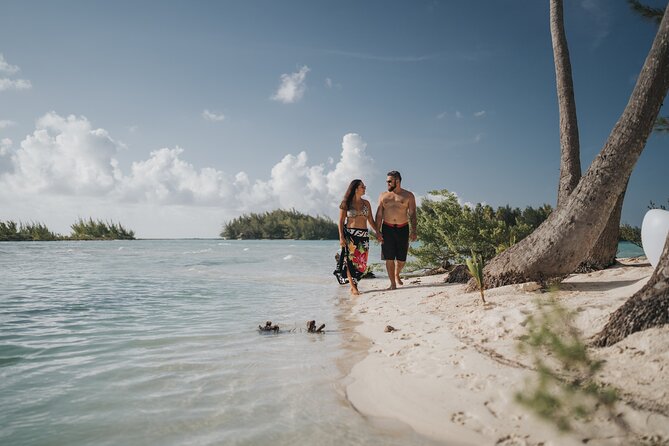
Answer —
451 369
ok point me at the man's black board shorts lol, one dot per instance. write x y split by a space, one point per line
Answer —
395 242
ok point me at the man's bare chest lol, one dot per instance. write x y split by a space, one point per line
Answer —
395 202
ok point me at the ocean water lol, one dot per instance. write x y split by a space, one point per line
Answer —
156 342
627 249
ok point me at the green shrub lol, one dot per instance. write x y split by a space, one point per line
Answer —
475 265
281 224
449 231
629 233
99 230
10 231
564 387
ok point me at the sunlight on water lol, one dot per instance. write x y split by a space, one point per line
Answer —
156 342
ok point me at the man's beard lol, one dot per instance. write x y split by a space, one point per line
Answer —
391 188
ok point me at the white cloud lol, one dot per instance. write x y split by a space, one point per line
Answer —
10 84
6 67
328 82
4 123
480 114
19 84
67 168
5 145
165 178
458 114
213 116
442 115
5 154
292 86
65 155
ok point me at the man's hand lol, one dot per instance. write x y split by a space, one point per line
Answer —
413 237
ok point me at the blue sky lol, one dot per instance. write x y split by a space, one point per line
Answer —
173 117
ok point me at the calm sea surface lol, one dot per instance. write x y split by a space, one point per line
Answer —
156 342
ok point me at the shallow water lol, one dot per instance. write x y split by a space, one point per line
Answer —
156 342
627 249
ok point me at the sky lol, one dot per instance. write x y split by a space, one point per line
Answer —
173 117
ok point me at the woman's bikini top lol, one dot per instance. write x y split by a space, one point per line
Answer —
352 213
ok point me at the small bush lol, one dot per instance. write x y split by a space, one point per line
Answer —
449 231
629 233
564 388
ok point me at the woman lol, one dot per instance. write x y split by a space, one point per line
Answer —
354 214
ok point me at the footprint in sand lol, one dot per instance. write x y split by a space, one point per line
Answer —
513 440
467 420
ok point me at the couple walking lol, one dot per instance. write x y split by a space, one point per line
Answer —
396 207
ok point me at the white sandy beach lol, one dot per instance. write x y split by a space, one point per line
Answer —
451 369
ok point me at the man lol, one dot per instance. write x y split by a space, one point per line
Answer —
396 207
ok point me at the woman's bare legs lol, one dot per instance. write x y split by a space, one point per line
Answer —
354 288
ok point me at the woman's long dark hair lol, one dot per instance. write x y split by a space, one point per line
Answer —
350 193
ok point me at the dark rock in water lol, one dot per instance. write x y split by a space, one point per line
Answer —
311 327
459 274
269 327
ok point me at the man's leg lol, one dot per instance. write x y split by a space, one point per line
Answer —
398 269
390 267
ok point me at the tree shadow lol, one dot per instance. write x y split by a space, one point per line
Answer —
597 286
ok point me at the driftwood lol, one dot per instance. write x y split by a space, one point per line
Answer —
268 327
311 327
459 274
273 328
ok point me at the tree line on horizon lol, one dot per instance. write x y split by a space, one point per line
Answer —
82 229
280 224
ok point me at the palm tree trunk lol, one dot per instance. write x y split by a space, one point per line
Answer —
648 308
570 161
555 248
603 254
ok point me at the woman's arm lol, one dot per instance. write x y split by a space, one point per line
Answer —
372 223
342 224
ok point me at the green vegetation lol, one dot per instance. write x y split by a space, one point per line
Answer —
564 388
99 230
475 265
652 205
10 231
81 230
449 231
281 224
629 233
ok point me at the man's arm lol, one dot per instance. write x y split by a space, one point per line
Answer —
379 214
413 235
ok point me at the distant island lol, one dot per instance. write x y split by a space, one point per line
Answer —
281 224
89 229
